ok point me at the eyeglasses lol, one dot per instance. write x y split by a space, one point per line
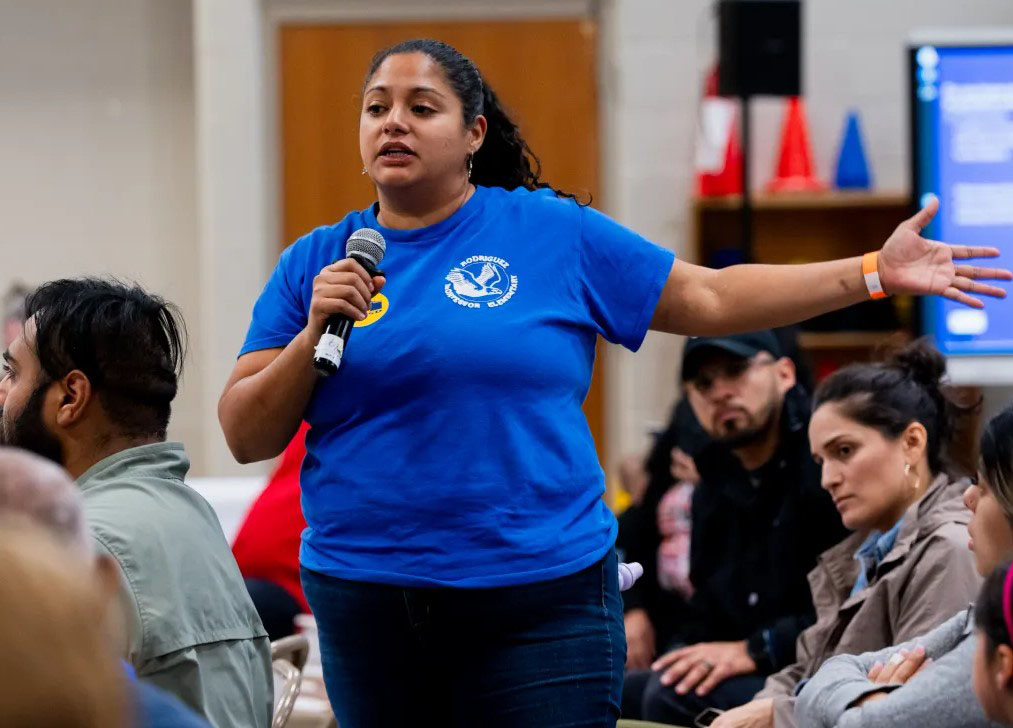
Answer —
727 369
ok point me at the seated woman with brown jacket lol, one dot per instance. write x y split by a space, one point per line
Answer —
879 432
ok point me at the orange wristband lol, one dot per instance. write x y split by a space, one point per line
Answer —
870 269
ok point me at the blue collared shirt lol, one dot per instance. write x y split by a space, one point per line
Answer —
871 554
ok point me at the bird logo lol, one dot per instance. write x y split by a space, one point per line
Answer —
481 286
480 281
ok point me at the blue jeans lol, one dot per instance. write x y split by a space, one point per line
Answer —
542 655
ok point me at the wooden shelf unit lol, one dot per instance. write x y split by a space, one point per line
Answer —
810 227
845 340
810 200
801 228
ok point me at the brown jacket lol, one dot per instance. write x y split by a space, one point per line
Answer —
926 578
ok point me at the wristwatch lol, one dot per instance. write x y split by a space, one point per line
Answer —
758 649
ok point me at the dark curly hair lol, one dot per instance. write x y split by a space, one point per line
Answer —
504 159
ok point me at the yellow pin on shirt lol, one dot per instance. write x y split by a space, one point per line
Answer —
377 308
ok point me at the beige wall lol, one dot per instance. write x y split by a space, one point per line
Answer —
97 153
136 138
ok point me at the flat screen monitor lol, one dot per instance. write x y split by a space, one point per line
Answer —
962 152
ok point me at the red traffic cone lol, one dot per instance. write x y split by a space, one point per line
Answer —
795 171
718 154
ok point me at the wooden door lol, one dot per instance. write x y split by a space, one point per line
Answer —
543 71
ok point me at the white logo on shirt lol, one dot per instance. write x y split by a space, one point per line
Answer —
480 279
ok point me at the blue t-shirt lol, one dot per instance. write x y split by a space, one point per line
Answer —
450 448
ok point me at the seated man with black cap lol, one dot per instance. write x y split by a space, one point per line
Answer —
759 520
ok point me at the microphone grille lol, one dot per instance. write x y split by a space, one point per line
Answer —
367 243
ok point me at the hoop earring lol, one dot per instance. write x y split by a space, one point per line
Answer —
470 157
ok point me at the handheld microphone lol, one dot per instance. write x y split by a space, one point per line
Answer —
367 247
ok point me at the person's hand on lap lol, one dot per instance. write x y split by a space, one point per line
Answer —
704 665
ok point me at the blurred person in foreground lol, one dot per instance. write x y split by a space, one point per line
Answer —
58 671
88 385
58 606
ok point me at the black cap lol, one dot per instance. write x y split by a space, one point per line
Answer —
745 345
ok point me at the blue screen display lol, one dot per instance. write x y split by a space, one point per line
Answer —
963 153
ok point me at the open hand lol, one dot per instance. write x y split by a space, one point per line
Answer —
908 263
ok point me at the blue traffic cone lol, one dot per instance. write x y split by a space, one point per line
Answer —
852 167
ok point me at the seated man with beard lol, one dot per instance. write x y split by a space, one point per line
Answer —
759 520
89 384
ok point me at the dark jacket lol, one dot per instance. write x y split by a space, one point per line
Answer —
639 538
755 537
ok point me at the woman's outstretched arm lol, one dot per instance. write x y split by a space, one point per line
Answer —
702 301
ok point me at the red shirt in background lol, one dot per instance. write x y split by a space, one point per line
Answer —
267 545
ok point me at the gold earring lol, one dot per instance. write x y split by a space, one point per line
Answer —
918 478
364 169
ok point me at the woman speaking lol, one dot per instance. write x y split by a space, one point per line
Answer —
459 557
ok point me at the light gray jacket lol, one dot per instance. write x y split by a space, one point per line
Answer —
938 697
189 626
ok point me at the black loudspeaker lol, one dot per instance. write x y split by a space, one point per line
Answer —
759 44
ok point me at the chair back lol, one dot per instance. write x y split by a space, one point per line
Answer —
295 649
288 657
